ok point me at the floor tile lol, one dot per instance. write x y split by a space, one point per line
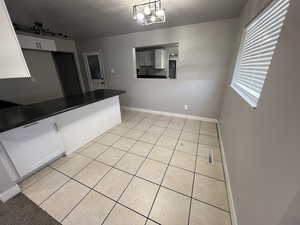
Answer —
141 148
161 154
204 214
35 177
111 156
120 131
161 123
94 150
64 200
74 165
172 133
129 124
187 136
150 138
183 160
156 130
142 126
187 146
134 134
130 163
209 131
42 189
152 170
208 125
92 174
191 129
149 222
204 150
214 169
208 140
123 216
210 191
176 126
167 142
85 146
92 210
63 159
179 180
170 208
113 183
124 144
139 195
108 139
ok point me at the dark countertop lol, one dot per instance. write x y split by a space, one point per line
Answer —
6 104
18 116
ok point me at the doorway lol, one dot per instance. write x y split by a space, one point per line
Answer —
67 72
94 69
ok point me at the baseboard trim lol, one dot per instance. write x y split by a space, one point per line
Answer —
186 116
228 186
13 191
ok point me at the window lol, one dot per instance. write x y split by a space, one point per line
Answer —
256 51
156 62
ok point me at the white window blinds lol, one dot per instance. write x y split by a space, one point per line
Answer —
256 51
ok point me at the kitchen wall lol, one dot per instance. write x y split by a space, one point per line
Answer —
205 51
262 144
43 85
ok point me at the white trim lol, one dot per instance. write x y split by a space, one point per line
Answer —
172 114
13 191
94 83
228 186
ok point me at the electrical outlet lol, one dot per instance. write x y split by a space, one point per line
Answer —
186 107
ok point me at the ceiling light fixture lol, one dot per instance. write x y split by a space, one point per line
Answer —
149 13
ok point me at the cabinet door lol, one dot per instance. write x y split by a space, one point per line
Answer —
47 45
148 58
32 146
12 61
30 42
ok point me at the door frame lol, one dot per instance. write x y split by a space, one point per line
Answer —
94 84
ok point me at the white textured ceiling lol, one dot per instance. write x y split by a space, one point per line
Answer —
92 18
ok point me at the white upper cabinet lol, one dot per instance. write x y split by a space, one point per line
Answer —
12 61
36 43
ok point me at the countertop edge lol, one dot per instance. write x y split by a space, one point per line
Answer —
38 118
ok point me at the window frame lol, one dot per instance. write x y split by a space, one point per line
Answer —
242 92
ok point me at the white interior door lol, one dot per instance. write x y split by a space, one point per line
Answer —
94 69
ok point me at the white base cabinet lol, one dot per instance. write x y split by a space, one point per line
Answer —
32 146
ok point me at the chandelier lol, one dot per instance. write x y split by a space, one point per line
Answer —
149 13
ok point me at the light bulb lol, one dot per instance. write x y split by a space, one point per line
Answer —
160 12
140 16
147 11
153 18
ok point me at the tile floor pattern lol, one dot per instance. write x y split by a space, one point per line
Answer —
151 169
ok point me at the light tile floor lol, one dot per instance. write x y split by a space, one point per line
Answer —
151 169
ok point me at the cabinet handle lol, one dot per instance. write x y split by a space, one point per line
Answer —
56 127
29 125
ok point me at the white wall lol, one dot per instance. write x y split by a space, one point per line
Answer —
262 145
205 50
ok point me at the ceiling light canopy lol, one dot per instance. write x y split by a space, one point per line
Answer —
149 13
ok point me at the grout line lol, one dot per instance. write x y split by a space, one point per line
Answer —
117 202
194 177
135 175
160 185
